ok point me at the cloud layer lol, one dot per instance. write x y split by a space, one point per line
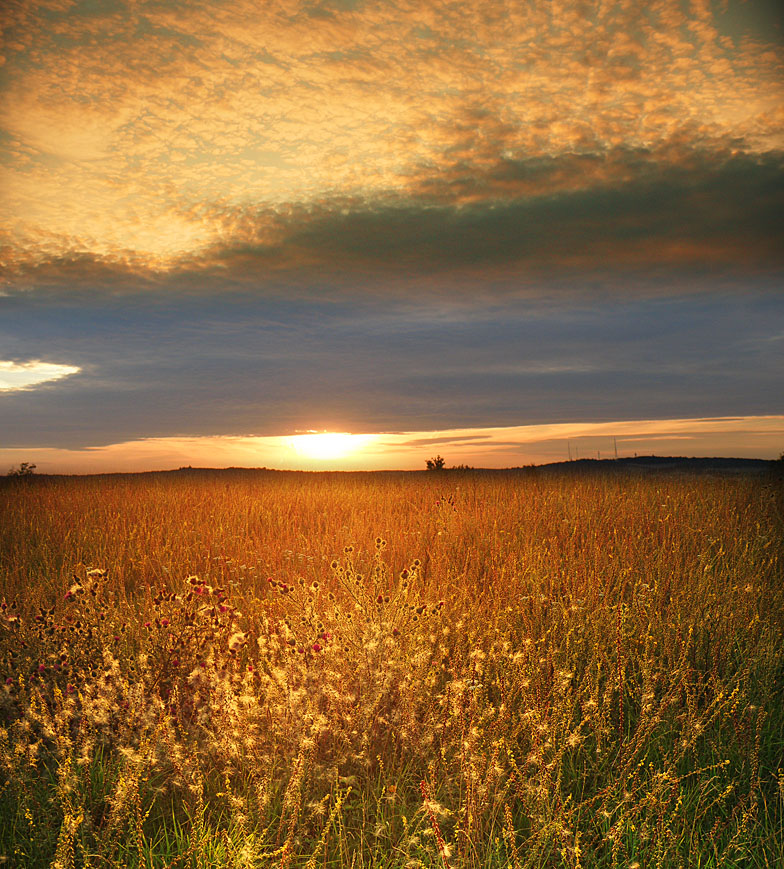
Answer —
244 365
311 131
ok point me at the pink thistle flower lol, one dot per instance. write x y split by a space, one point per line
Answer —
316 647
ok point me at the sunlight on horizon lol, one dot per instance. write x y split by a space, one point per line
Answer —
327 446
489 447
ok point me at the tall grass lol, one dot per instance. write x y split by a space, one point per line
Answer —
396 670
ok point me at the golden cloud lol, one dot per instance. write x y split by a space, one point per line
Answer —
134 131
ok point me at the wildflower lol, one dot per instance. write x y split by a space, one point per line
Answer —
236 641
316 647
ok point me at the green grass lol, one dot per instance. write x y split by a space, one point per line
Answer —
392 670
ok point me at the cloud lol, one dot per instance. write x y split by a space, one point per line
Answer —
15 376
628 222
671 215
433 440
233 363
155 133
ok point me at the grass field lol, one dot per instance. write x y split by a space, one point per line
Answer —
392 670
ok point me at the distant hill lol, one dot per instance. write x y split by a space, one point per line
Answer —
667 463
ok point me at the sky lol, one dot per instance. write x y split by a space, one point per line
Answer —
505 232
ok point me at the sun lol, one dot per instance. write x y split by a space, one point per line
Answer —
327 445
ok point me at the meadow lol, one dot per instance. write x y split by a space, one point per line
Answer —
436 669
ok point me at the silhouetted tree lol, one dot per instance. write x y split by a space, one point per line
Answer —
24 470
436 463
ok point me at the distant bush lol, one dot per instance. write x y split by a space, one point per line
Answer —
436 463
26 469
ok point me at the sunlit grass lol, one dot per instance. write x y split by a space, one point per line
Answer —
442 669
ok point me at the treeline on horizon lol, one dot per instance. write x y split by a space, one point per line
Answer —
642 464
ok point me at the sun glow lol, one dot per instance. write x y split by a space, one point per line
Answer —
324 446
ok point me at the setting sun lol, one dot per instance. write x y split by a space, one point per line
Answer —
328 445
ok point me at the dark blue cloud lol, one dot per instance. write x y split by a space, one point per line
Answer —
155 366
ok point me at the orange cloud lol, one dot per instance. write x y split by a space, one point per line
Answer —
136 130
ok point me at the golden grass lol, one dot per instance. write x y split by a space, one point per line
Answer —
437 669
